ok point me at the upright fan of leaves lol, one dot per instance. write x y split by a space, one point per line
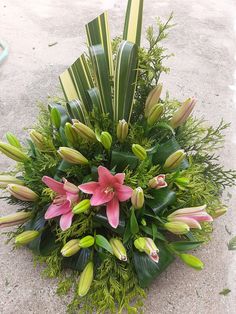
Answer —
98 33
133 21
125 80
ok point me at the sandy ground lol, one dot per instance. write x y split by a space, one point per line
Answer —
204 45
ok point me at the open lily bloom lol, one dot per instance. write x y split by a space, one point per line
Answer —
109 191
62 205
191 216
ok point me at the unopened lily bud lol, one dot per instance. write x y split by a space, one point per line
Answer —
22 193
192 261
137 198
6 179
143 222
158 182
55 117
70 187
13 152
70 248
174 160
38 139
70 133
86 241
122 130
177 227
219 212
13 140
139 151
154 114
26 237
14 219
118 249
148 246
84 131
106 140
72 156
82 207
152 99
183 113
86 279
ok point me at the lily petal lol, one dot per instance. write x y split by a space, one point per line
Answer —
54 185
100 197
123 192
188 210
57 210
120 177
66 221
113 212
70 187
104 176
192 223
89 187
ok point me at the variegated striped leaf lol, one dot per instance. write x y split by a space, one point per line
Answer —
76 80
125 80
96 99
76 110
102 77
133 21
98 33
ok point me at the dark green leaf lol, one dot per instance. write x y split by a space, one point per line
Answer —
147 270
120 161
77 261
134 228
101 218
64 115
103 242
161 199
149 231
183 246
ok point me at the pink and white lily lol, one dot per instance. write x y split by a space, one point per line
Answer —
191 216
108 191
62 205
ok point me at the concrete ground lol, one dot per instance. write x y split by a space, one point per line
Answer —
204 45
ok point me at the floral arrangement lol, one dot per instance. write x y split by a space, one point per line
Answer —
116 181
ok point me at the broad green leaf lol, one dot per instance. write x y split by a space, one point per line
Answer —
147 270
232 244
95 98
98 33
163 151
133 21
103 243
183 246
161 199
149 231
125 80
121 160
101 72
134 228
77 261
64 115
127 234
76 110
101 219
76 81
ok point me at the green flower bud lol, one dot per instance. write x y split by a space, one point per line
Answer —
154 114
26 237
137 198
219 212
70 133
139 151
86 242
118 249
6 179
177 227
122 130
13 152
140 244
148 246
13 140
183 113
55 117
22 193
14 219
86 279
106 140
82 207
152 99
39 140
143 222
72 156
174 160
84 131
192 261
70 248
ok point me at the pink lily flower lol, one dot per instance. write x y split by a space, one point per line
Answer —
63 203
158 182
191 216
109 191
